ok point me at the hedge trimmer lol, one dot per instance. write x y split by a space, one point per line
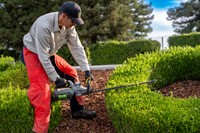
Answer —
71 89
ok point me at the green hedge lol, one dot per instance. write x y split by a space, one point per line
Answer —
114 52
191 39
65 53
143 109
111 52
14 75
15 109
6 62
16 113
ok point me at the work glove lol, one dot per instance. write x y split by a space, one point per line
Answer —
88 75
88 78
60 82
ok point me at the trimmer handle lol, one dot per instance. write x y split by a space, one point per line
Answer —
89 89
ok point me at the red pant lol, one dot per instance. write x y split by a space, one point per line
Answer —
39 93
69 70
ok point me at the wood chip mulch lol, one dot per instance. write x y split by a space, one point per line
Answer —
182 89
102 122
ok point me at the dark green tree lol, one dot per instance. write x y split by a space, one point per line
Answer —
142 18
17 17
186 17
116 19
104 20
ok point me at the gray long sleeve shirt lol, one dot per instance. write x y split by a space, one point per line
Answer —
45 38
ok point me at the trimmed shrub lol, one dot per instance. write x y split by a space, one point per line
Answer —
114 52
17 113
65 54
143 109
191 39
6 62
14 75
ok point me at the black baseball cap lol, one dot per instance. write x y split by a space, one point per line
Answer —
73 11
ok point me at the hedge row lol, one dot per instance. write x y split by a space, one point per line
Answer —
191 39
115 52
12 73
143 109
112 52
6 62
17 113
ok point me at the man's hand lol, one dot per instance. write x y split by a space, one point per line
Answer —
60 82
88 75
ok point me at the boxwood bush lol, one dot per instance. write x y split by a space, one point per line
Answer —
142 108
65 54
115 52
111 52
16 113
191 39
6 62
12 73
15 109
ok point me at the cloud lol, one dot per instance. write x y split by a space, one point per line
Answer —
176 2
161 26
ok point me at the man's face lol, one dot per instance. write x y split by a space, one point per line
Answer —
66 21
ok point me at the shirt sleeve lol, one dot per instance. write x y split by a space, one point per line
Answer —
42 41
77 50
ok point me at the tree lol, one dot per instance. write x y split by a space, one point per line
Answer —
104 20
142 18
186 17
17 17
116 19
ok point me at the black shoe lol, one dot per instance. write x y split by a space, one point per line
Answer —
84 114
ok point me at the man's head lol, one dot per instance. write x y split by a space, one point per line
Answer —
73 11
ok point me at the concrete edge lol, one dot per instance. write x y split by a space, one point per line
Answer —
100 67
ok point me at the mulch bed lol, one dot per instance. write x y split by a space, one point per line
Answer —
182 89
102 122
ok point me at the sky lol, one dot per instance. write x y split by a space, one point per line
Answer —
161 26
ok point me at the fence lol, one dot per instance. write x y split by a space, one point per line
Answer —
163 41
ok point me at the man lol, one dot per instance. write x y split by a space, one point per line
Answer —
49 33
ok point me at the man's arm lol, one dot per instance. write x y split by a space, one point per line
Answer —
43 41
77 50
